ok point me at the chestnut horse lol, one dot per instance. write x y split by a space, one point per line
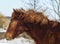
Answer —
36 25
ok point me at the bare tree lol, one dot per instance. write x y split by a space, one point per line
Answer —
56 7
33 4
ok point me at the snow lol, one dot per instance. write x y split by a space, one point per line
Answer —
20 40
2 30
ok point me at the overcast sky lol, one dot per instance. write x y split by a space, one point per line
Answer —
6 6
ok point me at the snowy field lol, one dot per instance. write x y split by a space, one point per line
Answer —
20 40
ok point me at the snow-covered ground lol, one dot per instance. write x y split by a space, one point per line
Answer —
20 40
2 30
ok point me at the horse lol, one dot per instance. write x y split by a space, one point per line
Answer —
35 24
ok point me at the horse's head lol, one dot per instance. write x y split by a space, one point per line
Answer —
16 26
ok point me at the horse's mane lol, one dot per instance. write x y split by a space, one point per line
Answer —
31 16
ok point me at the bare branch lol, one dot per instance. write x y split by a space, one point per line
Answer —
54 17
56 1
58 8
53 7
30 3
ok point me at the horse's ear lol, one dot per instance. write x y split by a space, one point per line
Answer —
14 10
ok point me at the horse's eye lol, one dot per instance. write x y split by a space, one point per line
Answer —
21 13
